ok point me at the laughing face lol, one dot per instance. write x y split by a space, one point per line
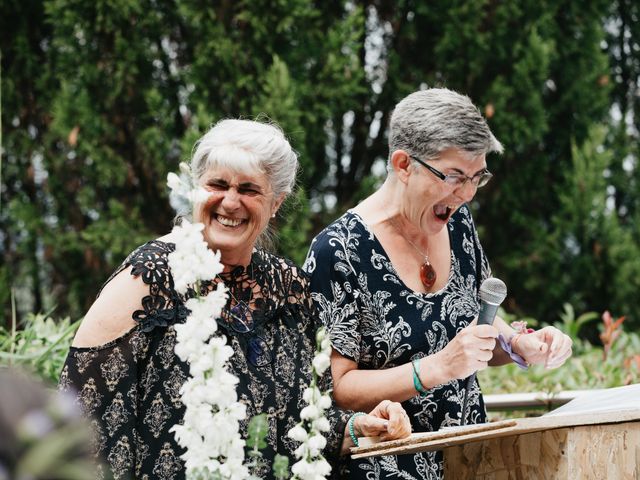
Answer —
431 201
236 212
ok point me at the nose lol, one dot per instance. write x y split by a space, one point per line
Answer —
231 200
467 191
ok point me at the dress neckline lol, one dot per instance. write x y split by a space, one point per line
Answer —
393 270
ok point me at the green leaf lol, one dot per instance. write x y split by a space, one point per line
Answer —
281 467
257 432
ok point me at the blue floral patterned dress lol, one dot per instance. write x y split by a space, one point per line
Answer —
377 321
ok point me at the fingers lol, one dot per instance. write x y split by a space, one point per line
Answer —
548 346
482 331
486 331
469 351
370 426
559 350
399 425
381 410
388 420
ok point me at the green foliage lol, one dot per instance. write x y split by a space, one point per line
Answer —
257 433
571 325
293 232
590 367
281 467
586 370
40 344
50 457
101 100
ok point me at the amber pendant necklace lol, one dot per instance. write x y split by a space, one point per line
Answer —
428 274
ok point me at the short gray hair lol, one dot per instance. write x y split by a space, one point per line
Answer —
427 122
247 146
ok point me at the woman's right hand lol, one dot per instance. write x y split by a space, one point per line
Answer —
469 351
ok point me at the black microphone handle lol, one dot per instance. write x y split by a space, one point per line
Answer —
465 403
487 313
486 317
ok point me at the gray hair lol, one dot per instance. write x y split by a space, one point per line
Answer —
244 146
427 122
247 146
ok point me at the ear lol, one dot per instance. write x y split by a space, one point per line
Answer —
401 164
276 204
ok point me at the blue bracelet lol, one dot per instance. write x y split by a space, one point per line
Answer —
417 384
352 432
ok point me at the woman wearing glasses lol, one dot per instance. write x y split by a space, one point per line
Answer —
397 281
123 365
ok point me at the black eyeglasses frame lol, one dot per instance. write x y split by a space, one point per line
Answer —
454 180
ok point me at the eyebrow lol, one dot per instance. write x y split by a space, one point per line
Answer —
482 170
223 182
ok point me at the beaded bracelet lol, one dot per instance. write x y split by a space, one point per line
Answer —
352 432
417 384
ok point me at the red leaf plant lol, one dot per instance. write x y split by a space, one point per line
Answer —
610 332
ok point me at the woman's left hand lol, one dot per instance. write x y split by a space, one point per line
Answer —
547 346
388 420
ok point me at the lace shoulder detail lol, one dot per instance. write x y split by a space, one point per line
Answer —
162 307
289 281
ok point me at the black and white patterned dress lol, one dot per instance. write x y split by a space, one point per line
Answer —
130 387
377 321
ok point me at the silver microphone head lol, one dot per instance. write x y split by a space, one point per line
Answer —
493 291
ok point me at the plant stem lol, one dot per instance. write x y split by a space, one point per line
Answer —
13 325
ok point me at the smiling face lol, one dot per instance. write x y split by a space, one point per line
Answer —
429 202
236 212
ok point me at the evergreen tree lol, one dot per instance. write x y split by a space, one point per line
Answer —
101 99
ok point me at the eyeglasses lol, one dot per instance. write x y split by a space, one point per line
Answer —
241 321
480 179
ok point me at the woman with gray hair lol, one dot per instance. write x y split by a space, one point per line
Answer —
123 365
397 280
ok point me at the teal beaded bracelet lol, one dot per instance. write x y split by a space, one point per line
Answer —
417 384
352 432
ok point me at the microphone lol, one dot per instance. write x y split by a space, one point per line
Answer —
493 291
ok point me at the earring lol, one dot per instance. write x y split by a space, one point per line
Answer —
273 215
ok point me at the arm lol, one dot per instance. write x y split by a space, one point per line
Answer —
388 420
110 316
469 351
102 367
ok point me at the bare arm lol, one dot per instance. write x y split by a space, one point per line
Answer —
500 357
110 316
358 389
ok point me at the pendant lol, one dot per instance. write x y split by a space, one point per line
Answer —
427 274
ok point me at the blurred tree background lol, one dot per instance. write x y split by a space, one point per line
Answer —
101 99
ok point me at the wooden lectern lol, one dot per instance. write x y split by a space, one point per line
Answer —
597 445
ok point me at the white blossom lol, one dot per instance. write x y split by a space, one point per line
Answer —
321 424
316 443
192 260
298 433
311 464
324 402
210 430
321 362
310 412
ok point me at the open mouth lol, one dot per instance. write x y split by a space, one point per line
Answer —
228 222
443 212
